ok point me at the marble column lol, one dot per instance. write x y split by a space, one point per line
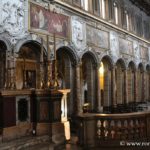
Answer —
41 66
78 102
98 92
114 98
8 85
135 87
143 86
126 85
49 66
149 86
13 71
6 72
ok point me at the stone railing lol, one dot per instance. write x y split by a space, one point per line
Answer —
110 130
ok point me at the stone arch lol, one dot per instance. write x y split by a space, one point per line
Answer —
3 62
141 66
88 78
29 40
121 62
28 65
132 65
147 67
71 52
93 56
131 76
67 60
147 82
108 59
7 43
106 79
140 82
120 81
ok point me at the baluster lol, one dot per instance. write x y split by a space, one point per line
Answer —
109 129
112 128
126 133
102 129
132 129
137 128
106 129
122 129
119 129
99 129
129 129
142 128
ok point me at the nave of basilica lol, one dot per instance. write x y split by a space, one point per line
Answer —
75 67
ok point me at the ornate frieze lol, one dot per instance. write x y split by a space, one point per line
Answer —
78 33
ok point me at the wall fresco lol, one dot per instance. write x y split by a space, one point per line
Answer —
97 37
126 46
47 22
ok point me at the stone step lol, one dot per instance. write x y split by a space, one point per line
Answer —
24 142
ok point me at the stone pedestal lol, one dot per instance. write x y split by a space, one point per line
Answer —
64 118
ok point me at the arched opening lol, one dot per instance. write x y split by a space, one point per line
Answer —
105 75
66 73
131 82
88 80
28 65
140 83
116 13
147 82
3 75
120 82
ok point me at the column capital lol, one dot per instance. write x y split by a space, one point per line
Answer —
96 65
77 64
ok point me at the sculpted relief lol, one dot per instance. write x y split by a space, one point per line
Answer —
78 34
12 17
114 44
136 50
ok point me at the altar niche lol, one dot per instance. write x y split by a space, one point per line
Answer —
28 66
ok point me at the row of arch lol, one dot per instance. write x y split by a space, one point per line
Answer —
118 84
